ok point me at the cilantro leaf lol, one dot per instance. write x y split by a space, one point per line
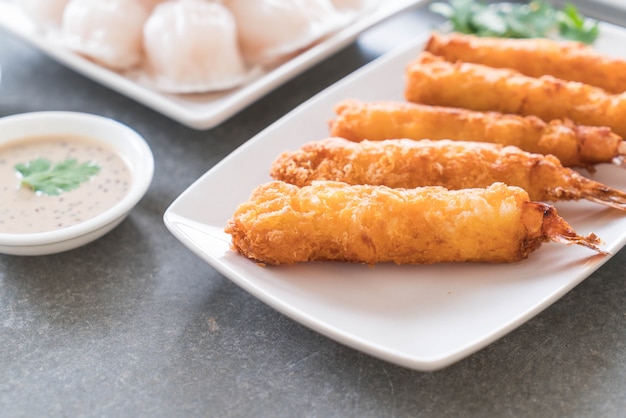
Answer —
41 176
536 19
459 12
573 25
489 22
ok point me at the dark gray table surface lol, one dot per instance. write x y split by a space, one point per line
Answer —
134 324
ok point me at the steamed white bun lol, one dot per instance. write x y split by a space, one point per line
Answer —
270 30
46 14
109 32
191 46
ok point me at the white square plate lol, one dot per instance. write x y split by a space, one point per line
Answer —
420 317
200 111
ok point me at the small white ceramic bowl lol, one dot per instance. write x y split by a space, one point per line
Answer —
128 144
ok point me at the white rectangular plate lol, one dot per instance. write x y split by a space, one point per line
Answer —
420 317
200 111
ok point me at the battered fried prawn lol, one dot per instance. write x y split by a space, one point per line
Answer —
435 81
283 224
407 163
572 61
573 145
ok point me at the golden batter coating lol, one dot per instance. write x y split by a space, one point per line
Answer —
567 60
407 163
435 81
574 145
284 224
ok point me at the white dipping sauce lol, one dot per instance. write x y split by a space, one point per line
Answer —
23 211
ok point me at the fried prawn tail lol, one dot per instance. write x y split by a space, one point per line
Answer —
554 228
600 193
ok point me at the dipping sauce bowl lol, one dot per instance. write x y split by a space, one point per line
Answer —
51 224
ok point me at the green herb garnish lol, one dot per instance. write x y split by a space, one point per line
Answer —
536 19
41 176
573 25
